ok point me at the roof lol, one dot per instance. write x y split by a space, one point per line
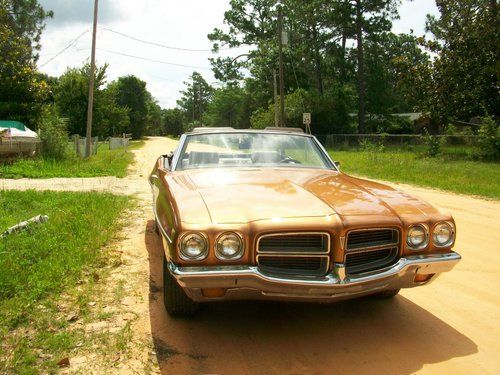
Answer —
204 130
12 125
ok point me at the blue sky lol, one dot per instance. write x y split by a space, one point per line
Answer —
179 23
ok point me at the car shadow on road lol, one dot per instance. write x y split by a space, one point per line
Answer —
361 336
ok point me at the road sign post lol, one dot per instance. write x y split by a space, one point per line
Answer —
306 118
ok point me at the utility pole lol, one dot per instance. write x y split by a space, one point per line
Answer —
276 106
88 143
282 72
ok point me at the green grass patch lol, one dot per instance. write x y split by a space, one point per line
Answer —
452 171
105 163
39 266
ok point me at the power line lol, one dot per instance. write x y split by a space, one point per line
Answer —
163 45
155 61
71 44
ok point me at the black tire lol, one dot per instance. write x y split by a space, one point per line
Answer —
386 294
177 303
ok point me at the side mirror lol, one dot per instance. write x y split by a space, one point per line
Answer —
167 160
337 164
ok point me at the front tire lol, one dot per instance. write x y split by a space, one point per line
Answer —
177 303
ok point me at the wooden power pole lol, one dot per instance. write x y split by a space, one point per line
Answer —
276 106
281 69
88 143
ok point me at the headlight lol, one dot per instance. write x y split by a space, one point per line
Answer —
443 234
229 246
418 237
193 246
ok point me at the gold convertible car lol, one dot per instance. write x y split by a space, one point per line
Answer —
266 214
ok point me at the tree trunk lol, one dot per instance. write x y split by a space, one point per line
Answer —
317 61
343 77
343 73
361 68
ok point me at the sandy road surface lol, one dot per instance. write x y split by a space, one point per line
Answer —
450 326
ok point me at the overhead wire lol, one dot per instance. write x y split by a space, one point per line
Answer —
71 44
163 45
153 60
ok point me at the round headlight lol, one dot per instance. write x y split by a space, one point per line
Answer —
418 237
443 234
229 246
193 246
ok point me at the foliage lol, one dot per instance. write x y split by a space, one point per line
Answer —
450 171
54 136
26 19
195 98
433 144
105 163
319 59
130 93
227 107
154 125
71 99
22 93
40 266
488 145
464 76
368 146
172 122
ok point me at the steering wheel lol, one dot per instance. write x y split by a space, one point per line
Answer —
289 160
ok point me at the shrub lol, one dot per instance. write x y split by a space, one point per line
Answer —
488 143
369 146
433 144
54 136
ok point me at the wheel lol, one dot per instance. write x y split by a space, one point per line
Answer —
386 294
177 303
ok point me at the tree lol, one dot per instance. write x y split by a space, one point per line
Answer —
22 91
172 121
26 19
389 58
71 98
130 92
465 73
154 118
371 17
195 98
227 107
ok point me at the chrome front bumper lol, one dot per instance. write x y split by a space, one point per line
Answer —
242 282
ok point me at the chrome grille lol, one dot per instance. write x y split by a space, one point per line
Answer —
362 239
294 254
371 260
304 266
294 243
371 250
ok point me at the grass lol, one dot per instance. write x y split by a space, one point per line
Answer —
105 163
50 270
452 171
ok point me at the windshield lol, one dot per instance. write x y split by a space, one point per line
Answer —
250 150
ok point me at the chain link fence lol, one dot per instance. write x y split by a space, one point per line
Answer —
355 140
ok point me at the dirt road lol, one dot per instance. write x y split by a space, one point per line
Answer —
449 326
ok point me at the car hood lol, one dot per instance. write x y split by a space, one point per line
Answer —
242 196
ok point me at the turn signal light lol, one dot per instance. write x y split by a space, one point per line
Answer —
423 278
213 292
